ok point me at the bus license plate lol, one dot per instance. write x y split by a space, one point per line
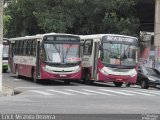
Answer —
62 75
119 79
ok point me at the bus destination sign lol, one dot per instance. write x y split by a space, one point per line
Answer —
61 38
118 39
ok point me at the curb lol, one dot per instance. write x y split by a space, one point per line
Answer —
6 91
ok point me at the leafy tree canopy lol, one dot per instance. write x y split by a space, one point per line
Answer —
29 17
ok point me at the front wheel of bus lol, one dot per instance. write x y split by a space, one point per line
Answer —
118 84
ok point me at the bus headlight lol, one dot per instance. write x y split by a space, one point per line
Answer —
133 74
104 72
46 69
77 70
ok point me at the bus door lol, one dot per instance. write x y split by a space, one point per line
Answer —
38 60
87 53
11 57
95 60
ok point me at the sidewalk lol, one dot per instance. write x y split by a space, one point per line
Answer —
6 91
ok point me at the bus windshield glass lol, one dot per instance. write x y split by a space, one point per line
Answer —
62 52
119 51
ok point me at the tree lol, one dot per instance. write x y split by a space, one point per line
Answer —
22 21
6 22
30 17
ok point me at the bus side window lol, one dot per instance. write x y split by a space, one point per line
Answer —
16 48
21 48
88 47
24 47
29 47
33 48
12 49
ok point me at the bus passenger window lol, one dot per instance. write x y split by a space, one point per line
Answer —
20 47
24 47
33 48
29 47
16 50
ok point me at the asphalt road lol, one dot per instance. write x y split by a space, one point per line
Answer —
55 97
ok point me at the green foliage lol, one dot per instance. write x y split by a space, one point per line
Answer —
22 21
55 18
28 17
6 22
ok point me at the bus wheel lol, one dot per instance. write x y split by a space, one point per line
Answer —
87 80
35 80
144 84
118 84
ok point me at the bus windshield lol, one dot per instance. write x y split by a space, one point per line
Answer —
62 53
119 53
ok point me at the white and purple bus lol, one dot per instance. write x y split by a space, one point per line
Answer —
110 58
53 56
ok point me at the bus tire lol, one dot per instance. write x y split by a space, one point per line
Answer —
35 80
144 84
118 84
88 80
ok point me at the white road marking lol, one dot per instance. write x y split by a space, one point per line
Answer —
28 87
97 92
40 92
148 91
116 92
57 91
85 93
137 92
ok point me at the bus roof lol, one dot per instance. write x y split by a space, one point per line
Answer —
5 39
40 36
101 35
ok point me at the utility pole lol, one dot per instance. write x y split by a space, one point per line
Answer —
157 35
1 40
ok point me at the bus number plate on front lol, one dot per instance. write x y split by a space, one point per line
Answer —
62 75
119 79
